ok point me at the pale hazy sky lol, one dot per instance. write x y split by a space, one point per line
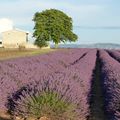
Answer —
93 13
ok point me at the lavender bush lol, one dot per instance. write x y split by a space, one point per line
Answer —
111 85
44 99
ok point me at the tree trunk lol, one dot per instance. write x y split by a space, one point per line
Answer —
56 45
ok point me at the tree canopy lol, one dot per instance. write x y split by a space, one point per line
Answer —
53 25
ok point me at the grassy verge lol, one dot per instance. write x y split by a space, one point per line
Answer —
15 53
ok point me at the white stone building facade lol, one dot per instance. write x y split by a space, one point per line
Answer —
14 38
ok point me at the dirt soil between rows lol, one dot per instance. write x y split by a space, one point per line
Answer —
96 95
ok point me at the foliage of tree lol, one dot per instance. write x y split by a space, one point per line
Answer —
53 25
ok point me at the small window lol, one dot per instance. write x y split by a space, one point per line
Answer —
0 42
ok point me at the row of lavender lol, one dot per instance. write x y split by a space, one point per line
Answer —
51 72
111 83
115 54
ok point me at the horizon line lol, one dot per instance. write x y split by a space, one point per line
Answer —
98 27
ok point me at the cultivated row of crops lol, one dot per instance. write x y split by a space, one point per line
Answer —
58 85
111 83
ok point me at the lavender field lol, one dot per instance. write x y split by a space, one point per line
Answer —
72 84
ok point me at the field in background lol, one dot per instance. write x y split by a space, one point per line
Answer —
15 53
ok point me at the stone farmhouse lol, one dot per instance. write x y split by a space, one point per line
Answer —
15 38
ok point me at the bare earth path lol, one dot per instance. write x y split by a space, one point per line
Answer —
97 99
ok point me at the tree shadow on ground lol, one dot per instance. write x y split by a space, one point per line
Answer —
1 118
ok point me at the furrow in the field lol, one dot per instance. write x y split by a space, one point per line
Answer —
78 59
96 94
114 54
73 57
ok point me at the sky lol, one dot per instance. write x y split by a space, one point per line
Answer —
93 20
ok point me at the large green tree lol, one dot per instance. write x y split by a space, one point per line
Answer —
53 25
